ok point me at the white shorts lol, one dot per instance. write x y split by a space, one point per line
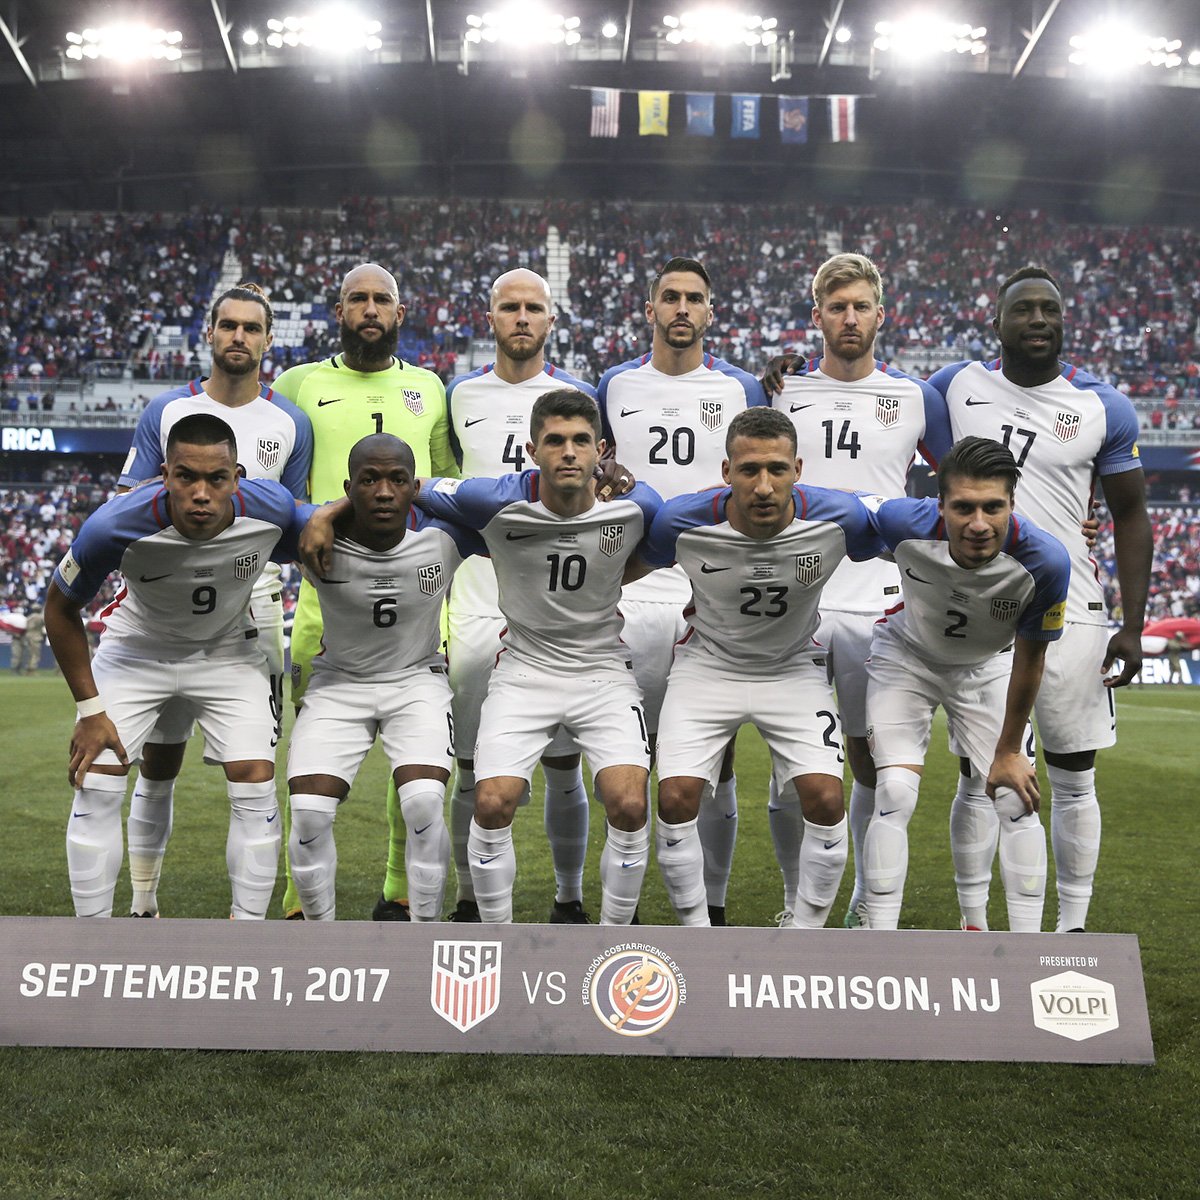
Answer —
1074 710
341 717
846 638
704 707
473 642
904 692
651 631
175 724
229 698
601 711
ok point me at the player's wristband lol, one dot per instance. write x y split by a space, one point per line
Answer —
89 707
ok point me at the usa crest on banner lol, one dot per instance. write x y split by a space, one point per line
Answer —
414 402
612 538
887 410
1066 426
430 579
245 566
808 568
711 412
1004 610
269 450
464 987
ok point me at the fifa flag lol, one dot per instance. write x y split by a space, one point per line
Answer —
701 114
745 116
793 119
841 118
606 112
652 109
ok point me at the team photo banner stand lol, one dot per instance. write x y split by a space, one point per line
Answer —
542 989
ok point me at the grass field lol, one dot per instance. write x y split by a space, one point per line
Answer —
102 1124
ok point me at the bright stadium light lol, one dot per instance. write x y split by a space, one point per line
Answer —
1119 48
125 43
609 29
250 37
921 37
719 26
523 24
1194 59
842 36
335 28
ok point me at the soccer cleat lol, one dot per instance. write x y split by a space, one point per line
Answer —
133 914
467 912
784 919
297 914
569 912
969 928
856 918
390 910
716 915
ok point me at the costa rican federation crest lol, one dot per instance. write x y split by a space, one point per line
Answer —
430 579
808 568
269 450
711 412
465 984
245 566
1004 610
414 402
612 538
887 410
1066 426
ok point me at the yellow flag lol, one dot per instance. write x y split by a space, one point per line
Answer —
652 108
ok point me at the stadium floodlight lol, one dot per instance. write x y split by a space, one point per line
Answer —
919 38
720 26
250 37
609 29
125 42
1114 47
523 24
842 36
334 29
1194 59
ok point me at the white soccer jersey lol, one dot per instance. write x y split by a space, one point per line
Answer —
1062 434
956 616
181 597
381 609
670 431
559 577
756 600
489 427
861 436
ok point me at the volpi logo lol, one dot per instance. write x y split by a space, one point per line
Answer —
808 568
1074 1006
414 401
245 566
269 450
1066 426
430 579
465 985
1004 610
634 989
887 410
612 538
711 412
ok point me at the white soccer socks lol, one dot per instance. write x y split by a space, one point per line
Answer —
149 829
823 854
974 830
681 860
622 869
312 853
462 809
1075 835
252 848
718 822
427 847
493 865
94 843
786 823
1022 862
859 812
885 847
566 820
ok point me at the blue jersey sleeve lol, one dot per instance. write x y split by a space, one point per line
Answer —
146 454
602 395
756 396
939 436
844 509
466 541
101 544
941 380
677 516
902 520
1048 562
474 502
1119 451
299 464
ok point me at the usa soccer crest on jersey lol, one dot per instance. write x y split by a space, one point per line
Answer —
245 566
269 450
414 402
612 538
1066 425
1004 610
711 412
808 568
887 410
430 579
465 986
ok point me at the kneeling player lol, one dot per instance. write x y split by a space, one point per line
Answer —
975 578
379 672
757 553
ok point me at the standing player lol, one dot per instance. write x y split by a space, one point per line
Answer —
560 555
380 672
365 389
666 415
489 423
859 424
1065 428
984 595
189 552
274 441
757 553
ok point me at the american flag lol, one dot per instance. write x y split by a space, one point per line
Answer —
606 112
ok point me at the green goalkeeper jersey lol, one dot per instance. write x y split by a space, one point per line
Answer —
345 406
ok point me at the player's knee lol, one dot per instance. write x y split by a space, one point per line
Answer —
822 798
162 760
494 807
679 799
627 811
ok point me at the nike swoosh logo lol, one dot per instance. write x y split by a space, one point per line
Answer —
273 816
830 845
1021 817
153 578
307 841
799 407
675 842
971 403
918 579
705 569
628 412
730 816
518 537
418 832
473 421
483 862
322 403
886 812
75 814
777 808
637 862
